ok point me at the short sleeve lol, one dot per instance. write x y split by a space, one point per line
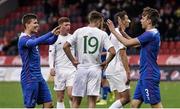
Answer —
72 40
107 43
145 38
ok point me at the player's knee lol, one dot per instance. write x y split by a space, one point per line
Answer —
128 99
60 99
125 100
70 96
48 105
77 100
135 104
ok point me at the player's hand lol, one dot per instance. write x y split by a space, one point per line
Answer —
56 30
75 63
104 65
128 79
110 25
52 72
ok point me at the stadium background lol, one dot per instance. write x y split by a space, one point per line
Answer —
49 11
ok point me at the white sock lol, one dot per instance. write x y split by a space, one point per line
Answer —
60 105
116 104
70 103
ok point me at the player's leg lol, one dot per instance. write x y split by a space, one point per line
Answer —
124 96
79 86
151 92
93 85
138 96
48 105
59 87
69 94
76 101
104 91
60 99
69 84
158 105
44 96
92 101
122 92
135 103
30 93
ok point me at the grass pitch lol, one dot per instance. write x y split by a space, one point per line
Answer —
11 95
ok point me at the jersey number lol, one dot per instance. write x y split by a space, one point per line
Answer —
90 44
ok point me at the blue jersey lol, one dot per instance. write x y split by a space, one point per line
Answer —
28 50
150 43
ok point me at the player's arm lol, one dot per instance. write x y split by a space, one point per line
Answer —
43 38
110 48
51 40
125 41
68 52
51 59
124 59
112 53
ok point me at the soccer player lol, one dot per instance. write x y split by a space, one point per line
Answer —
89 41
118 71
60 66
147 89
34 87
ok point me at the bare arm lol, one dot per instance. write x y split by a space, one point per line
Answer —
124 60
128 37
67 51
125 41
51 59
112 53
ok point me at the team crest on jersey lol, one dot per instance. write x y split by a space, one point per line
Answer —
37 48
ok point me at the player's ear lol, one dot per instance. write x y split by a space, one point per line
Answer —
119 20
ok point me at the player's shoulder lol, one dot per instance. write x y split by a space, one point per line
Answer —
23 37
151 33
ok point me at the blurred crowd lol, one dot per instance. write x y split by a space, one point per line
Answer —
77 10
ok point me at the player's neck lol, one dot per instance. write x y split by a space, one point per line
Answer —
63 34
149 27
29 33
93 25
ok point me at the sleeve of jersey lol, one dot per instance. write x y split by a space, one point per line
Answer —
117 43
23 41
37 41
51 40
72 39
145 38
51 55
107 42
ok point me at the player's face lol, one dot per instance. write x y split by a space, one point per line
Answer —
126 21
33 26
144 22
66 26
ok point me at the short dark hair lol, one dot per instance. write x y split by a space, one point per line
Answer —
27 17
62 20
152 14
120 14
94 16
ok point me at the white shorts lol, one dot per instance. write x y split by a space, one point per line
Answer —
118 82
64 77
87 82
